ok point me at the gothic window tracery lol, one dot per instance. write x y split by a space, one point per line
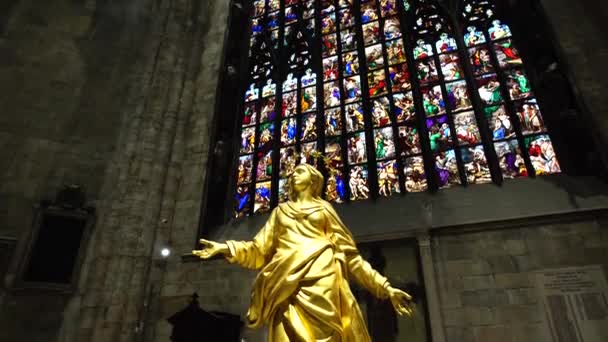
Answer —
385 97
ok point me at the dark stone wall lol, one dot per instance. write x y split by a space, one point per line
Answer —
119 97
66 69
486 279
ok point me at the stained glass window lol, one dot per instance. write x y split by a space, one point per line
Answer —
385 97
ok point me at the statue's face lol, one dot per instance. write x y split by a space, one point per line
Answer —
302 178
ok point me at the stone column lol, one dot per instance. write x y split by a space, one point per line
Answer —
430 287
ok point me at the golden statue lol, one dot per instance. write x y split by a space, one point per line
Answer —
306 256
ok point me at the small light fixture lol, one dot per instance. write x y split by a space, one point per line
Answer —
165 252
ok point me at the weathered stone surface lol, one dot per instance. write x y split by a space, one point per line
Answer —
119 97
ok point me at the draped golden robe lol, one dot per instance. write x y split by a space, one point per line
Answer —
306 257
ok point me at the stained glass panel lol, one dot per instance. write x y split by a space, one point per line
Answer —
358 183
415 175
476 165
446 169
388 178
542 155
357 152
371 99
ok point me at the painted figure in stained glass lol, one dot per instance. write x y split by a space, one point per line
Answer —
376 83
380 115
530 117
256 26
542 155
404 107
329 45
244 168
489 89
480 60
371 33
358 183
374 57
308 152
499 30
409 140
510 160
264 169
427 72
262 197
273 20
267 110
446 44
274 5
253 93
348 40
422 49
336 189
309 99
415 176
328 24
354 117
395 52
247 139
290 83
250 114
400 77
289 106
392 29
388 7
289 159
351 63
450 67
383 141
467 131
346 18
388 179
506 53
439 133
241 199
333 122
446 169
330 68
518 84
368 12
352 89
476 165
500 124
356 149
432 101
474 37
309 129
288 131
266 135
309 78
258 8
332 94
458 96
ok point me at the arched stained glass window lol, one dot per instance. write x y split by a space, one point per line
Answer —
384 97
509 106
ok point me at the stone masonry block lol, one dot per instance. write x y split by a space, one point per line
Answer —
478 282
497 333
487 298
512 280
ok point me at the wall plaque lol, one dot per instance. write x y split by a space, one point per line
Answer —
575 303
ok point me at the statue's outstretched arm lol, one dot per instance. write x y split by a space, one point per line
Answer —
254 254
251 254
362 272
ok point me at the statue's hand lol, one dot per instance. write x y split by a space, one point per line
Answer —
211 248
400 300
